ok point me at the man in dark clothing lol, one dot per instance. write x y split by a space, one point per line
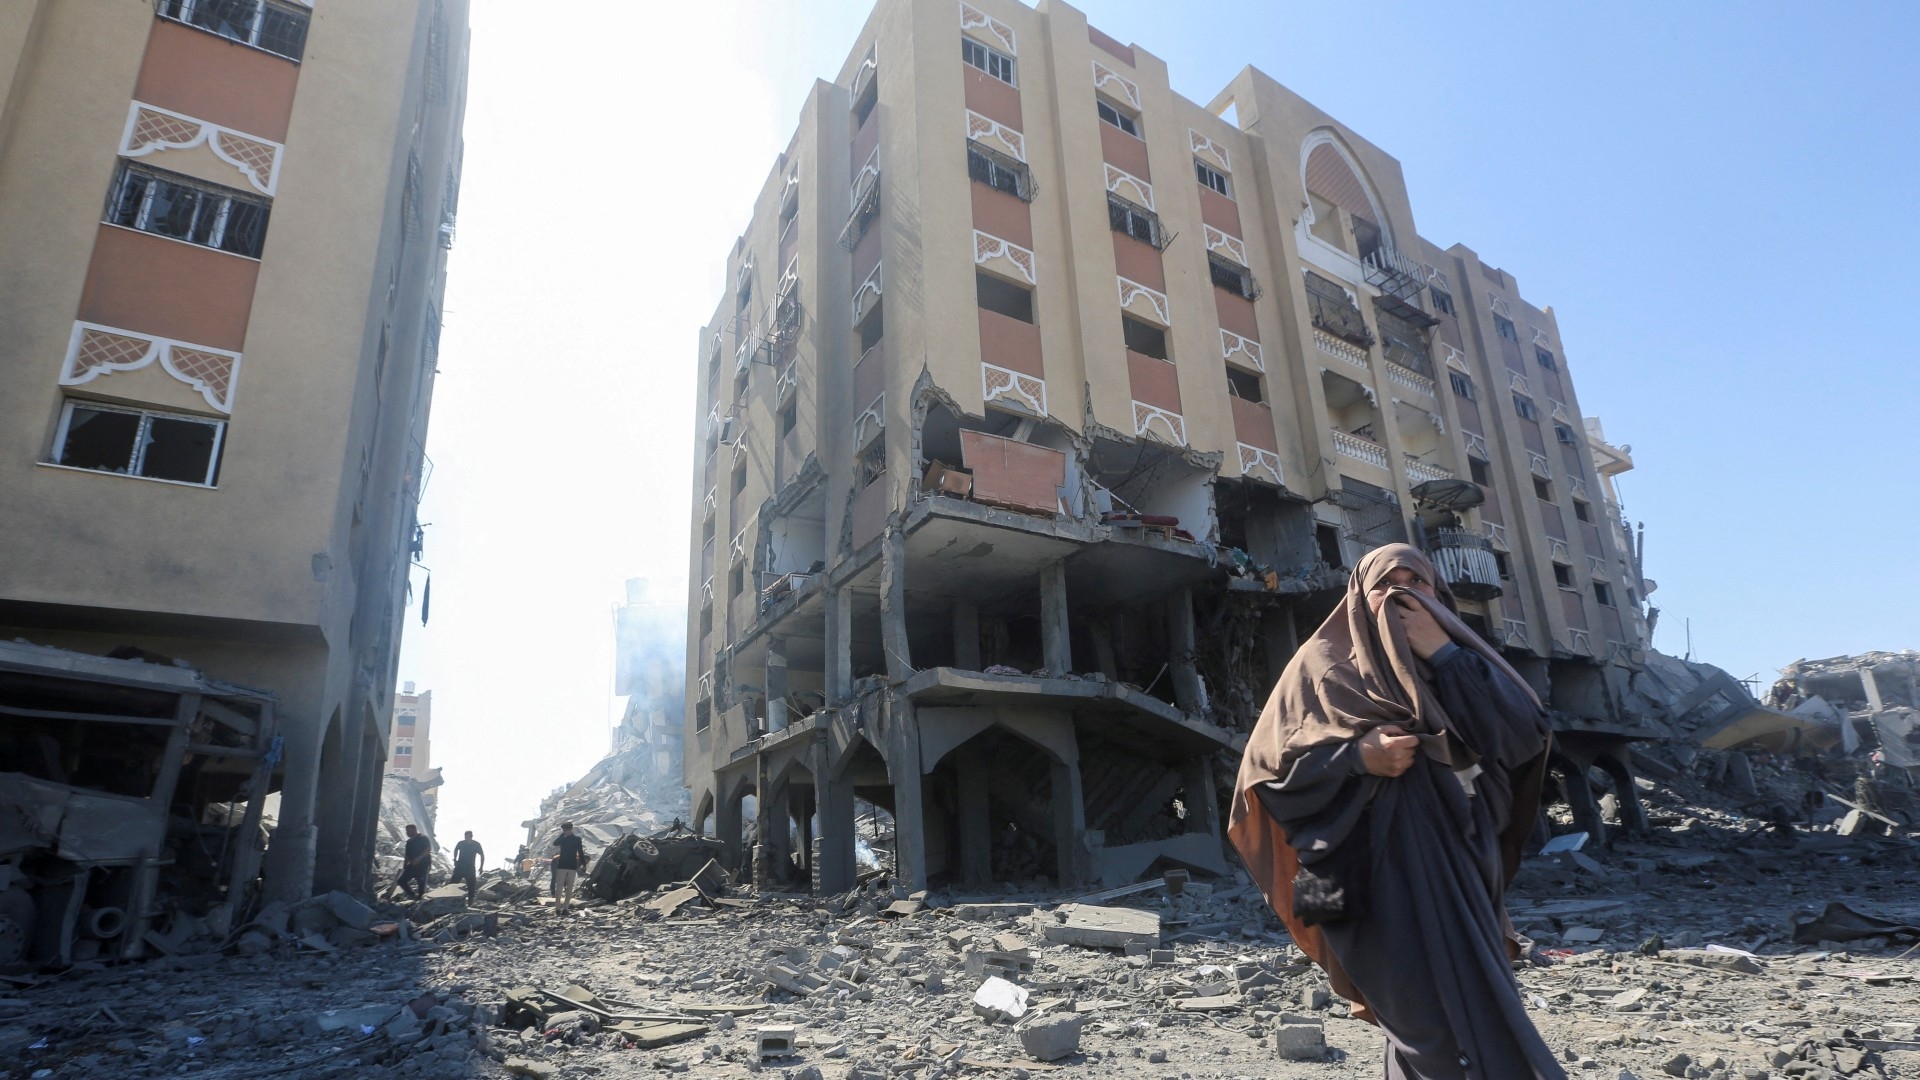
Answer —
569 860
464 870
417 859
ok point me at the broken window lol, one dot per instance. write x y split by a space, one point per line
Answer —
1545 358
170 205
871 329
997 64
1542 490
1112 115
1564 434
1210 177
1480 471
702 714
1504 327
279 28
1231 276
1462 385
1603 593
1442 302
1143 337
1244 384
1563 575
1500 563
1524 406
159 446
1327 539
1003 296
736 579
996 170
1334 311
872 463
1366 238
1136 221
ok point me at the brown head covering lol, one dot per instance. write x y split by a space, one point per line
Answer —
1354 674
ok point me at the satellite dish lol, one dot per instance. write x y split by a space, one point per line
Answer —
1449 494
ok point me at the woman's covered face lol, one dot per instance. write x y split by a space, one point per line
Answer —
1398 576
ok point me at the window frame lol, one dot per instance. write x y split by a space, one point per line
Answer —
1525 409
1245 286
1121 210
990 58
142 220
1129 320
1563 576
1603 593
1442 301
1202 171
993 163
1237 374
980 289
1462 384
142 441
1112 116
1504 327
182 12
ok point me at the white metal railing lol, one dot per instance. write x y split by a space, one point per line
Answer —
1360 449
1339 349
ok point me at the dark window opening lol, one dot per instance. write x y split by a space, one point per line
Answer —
736 579
170 205
1233 277
1545 358
1244 385
997 64
1442 302
1210 176
278 28
702 714
789 416
871 465
1564 434
739 479
1524 406
1136 221
1118 119
1603 593
1480 471
863 106
1327 538
1144 337
1462 385
871 329
998 171
1582 511
1366 238
1504 327
1501 564
153 445
1563 575
1542 490
1004 297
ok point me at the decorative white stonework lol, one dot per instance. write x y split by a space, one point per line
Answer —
1112 83
706 600
1582 642
706 678
868 173
95 351
1539 336
1145 302
1360 449
1437 277
738 549
1558 410
1516 631
1172 427
868 68
993 133
1477 446
1412 380
972 18
1003 255
870 423
1557 551
1253 459
1232 344
151 128
1230 246
1502 308
1537 464
1580 487
1596 567
789 278
865 296
1420 472
1619 652
1209 151
1517 383
1340 349
788 382
1497 535
1454 358
1129 187
1017 386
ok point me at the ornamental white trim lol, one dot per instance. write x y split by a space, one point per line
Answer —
1145 416
1579 489
1253 459
985 129
1539 335
1501 307
1130 187
94 351
1497 535
706 600
1537 464
788 382
706 678
1018 387
1477 446
1517 383
1557 551
989 249
1156 302
870 423
972 18
1360 449
870 169
1437 276
867 70
1230 245
1558 410
1515 631
1109 81
789 279
1596 567
1208 150
1340 350
151 128
1454 358
1232 344
1412 380
1582 642
737 550
868 290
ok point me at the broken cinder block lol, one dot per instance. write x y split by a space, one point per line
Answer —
776 1041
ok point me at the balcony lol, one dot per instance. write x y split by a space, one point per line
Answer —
1419 472
1391 272
1339 349
1360 449
1412 380
1465 562
1338 317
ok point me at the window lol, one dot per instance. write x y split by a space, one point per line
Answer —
1545 358
789 214
1603 593
1582 511
866 210
1505 568
736 579
1542 490
279 28
1442 302
1136 221
166 204
1524 406
1244 385
1504 327
1334 311
1209 176
1233 277
998 171
789 416
1480 471
739 479
872 328
863 107
1000 295
999 65
1462 385
1118 119
1565 434
1563 575
1143 337
159 446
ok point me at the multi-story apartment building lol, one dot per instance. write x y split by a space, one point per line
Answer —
649 670
227 225
410 743
1042 416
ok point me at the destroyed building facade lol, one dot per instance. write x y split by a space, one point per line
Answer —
649 670
227 229
1042 416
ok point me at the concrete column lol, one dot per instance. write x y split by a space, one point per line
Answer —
976 827
909 814
1056 644
776 684
833 864
339 788
839 643
1188 693
726 828
1203 809
966 635
1069 823
893 605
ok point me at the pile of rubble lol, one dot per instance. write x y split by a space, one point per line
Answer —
621 795
1872 699
401 806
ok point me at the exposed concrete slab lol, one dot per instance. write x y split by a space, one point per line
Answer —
1099 927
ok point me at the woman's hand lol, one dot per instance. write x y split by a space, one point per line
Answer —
1388 750
1424 633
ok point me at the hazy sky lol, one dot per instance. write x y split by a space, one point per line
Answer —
1716 199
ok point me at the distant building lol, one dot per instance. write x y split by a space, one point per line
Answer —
410 747
650 672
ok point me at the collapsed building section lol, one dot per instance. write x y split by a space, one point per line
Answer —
1026 464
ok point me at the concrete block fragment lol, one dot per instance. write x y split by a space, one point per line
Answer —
997 998
1301 1041
1103 927
776 1041
1050 1038
348 910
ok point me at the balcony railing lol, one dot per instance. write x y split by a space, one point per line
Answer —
1393 273
1420 472
1339 318
1339 349
1360 449
1412 380
1465 562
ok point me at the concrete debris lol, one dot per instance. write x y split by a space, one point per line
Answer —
1100 927
1050 1038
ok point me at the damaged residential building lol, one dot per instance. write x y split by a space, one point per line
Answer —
227 229
1043 415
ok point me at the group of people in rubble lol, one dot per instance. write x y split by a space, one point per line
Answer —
568 862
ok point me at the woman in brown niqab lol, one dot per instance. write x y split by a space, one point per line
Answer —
1381 806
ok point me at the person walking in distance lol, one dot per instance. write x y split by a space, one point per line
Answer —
569 861
464 868
415 861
